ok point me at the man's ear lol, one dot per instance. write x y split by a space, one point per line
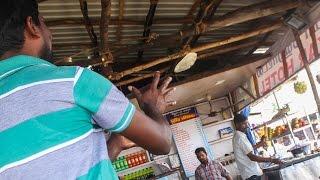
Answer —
31 29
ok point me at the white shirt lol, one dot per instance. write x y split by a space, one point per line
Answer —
242 147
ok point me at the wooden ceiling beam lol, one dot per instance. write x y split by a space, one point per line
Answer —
204 56
132 80
104 24
193 9
121 13
96 21
241 15
242 61
148 23
107 57
228 49
255 11
207 56
255 32
206 12
207 8
87 22
93 62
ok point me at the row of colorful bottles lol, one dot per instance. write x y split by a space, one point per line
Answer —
136 159
131 160
120 164
142 174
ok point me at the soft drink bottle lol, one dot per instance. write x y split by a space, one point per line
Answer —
128 157
117 165
144 173
140 158
124 161
138 175
121 164
133 162
129 176
144 157
135 175
136 159
126 166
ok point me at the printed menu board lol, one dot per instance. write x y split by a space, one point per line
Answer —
188 135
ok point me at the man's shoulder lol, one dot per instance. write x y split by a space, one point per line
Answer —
52 70
67 68
238 134
198 168
239 137
214 162
236 139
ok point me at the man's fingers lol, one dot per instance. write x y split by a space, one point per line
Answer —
165 84
168 91
171 103
136 92
155 80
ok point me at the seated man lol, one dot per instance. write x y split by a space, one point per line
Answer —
209 169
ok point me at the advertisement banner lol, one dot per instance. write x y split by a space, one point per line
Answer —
293 56
317 30
188 135
270 75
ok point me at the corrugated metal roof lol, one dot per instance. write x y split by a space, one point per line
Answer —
71 38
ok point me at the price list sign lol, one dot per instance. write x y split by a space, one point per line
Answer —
188 135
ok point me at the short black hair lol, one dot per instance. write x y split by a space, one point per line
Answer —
13 14
239 118
199 149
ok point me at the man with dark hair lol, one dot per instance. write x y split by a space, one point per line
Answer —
209 169
53 118
246 160
13 25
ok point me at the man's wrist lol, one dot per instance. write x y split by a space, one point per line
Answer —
152 112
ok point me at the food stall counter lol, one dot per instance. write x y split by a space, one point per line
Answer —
306 167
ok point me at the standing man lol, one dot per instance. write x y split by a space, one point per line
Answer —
53 118
246 160
209 169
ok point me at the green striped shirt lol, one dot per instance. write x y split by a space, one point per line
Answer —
52 120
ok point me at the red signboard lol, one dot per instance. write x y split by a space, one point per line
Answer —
293 56
270 75
317 30
273 72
